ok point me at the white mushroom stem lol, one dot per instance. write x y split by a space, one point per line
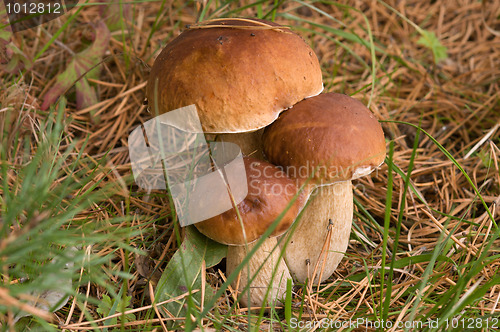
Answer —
309 246
271 278
250 143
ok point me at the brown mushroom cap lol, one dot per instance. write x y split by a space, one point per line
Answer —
332 133
270 191
239 77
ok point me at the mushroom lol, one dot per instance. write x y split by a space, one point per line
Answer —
270 193
240 74
328 141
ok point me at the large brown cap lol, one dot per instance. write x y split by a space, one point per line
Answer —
240 74
270 191
332 136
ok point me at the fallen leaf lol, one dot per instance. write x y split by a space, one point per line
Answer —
432 42
12 59
111 13
82 64
183 272
146 268
53 299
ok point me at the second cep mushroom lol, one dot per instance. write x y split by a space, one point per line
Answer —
329 140
270 193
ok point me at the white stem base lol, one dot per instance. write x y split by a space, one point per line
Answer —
268 277
335 203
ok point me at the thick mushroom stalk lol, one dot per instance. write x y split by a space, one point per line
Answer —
250 143
268 269
326 220
330 140
270 193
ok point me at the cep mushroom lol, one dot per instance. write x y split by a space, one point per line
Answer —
329 140
270 193
240 74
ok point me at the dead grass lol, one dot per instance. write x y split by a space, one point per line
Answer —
456 101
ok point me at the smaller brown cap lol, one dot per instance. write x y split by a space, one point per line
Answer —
270 191
332 136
